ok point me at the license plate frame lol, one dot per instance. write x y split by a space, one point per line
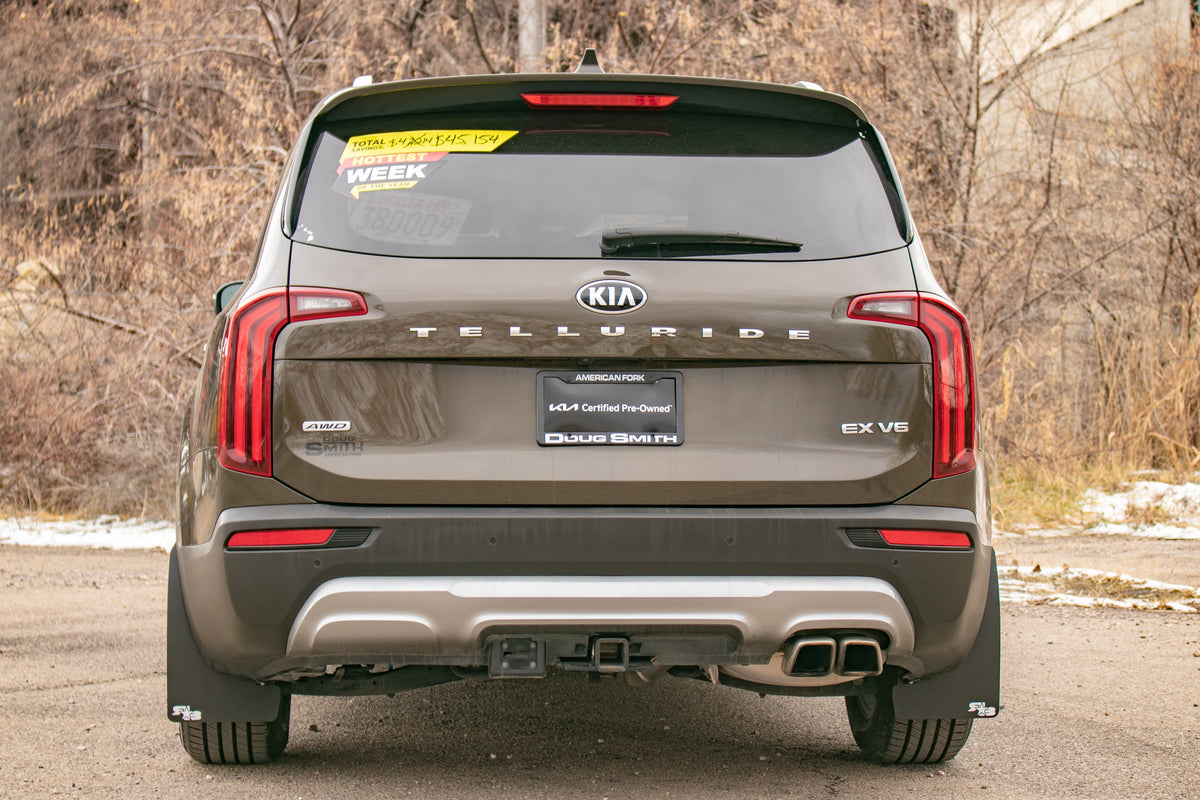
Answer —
609 407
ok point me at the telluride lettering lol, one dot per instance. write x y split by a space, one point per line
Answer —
613 331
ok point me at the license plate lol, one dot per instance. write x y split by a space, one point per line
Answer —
606 408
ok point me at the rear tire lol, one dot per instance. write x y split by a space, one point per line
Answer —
238 742
884 738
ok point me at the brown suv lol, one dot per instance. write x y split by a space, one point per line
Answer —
608 373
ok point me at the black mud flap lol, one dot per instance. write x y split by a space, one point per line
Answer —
196 692
972 689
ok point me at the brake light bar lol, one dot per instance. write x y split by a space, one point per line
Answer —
953 376
247 364
590 100
290 537
942 539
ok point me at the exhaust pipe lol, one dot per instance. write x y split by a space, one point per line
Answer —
858 657
809 656
846 656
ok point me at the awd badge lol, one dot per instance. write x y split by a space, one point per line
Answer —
325 425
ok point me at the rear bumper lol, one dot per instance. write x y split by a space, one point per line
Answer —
431 585
449 617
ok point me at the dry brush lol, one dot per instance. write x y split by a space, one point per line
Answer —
143 142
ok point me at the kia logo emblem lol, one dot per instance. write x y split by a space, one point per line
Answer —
611 296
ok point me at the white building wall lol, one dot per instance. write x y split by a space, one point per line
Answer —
1064 70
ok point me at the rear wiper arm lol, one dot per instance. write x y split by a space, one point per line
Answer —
667 243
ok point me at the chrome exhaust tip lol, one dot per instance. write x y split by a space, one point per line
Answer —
809 656
858 657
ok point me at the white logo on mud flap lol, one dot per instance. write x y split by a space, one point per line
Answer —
325 425
981 709
186 714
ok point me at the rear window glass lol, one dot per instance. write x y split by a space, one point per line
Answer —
550 184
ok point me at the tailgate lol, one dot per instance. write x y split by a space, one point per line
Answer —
743 384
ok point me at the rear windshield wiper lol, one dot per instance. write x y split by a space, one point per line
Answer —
666 243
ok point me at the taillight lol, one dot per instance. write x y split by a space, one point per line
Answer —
589 100
244 436
953 378
247 353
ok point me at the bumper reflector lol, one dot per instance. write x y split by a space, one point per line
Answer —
951 539
291 537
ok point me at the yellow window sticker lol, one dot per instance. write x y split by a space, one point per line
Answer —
435 141
384 161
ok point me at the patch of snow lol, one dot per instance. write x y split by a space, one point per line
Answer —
1156 531
1097 574
1030 530
1146 509
1020 585
1166 531
112 533
1177 505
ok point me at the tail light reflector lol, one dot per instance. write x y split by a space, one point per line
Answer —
247 356
900 538
587 100
292 537
953 377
